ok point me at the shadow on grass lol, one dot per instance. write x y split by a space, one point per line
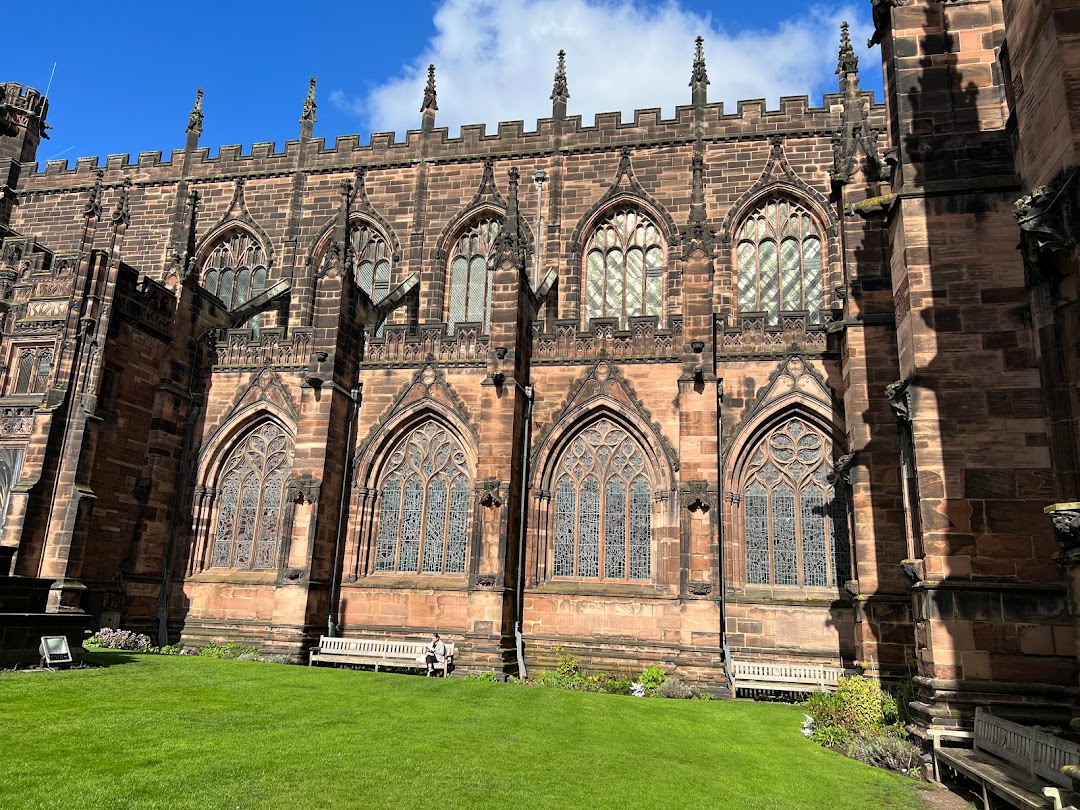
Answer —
108 658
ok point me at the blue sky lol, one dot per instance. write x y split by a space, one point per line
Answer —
125 81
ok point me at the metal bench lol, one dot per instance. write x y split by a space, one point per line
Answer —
1011 763
377 652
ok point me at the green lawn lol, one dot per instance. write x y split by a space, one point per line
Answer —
170 732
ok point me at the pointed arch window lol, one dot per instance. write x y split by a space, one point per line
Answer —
33 369
603 512
779 257
423 523
795 515
10 468
373 258
235 271
250 500
471 273
624 268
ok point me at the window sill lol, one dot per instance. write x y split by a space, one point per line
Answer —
788 595
414 582
262 576
601 588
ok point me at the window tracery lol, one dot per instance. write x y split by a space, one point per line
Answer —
235 271
624 268
603 517
10 468
423 524
779 258
250 500
373 257
33 370
471 273
795 516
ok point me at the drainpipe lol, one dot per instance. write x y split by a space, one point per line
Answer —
729 665
346 484
522 508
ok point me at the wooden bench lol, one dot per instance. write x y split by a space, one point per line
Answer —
784 677
377 652
1010 762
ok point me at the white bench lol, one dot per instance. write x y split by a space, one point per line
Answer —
784 677
377 652
1011 762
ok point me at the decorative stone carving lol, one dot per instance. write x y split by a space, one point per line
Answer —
1048 219
844 465
699 588
899 397
914 570
1066 518
304 489
490 493
485 581
695 496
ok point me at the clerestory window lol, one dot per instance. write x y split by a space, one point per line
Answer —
423 523
624 268
779 257
471 273
603 517
795 515
250 500
372 256
235 271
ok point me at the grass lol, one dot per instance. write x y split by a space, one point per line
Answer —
162 732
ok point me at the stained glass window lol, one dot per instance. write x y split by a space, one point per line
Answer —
425 505
624 268
10 467
779 262
250 500
471 273
795 516
602 507
34 368
235 271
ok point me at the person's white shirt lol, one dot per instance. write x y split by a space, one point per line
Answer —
438 649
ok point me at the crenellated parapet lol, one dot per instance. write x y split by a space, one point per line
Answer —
752 120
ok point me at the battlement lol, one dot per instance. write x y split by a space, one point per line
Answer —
609 130
25 99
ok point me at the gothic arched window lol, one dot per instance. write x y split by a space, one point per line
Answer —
471 274
372 256
250 500
34 368
624 268
425 505
795 517
603 518
235 271
779 260
10 467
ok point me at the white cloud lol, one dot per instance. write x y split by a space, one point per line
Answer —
495 60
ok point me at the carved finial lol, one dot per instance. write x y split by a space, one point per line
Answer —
122 212
560 92
308 114
430 102
699 74
625 169
487 179
509 243
195 117
93 205
849 62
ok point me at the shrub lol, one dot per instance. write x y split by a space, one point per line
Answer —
568 664
231 650
110 639
486 677
862 703
278 658
884 750
674 688
651 678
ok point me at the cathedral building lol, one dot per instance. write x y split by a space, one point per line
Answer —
740 387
